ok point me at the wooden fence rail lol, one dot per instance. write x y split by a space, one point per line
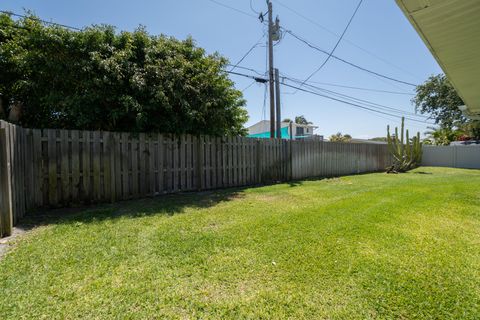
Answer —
58 168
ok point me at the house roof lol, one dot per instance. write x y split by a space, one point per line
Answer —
354 140
451 30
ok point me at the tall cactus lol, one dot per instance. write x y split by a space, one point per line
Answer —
406 153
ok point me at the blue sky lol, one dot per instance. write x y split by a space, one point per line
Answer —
379 38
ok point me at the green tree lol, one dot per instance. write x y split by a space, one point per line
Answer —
441 136
438 98
339 137
99 79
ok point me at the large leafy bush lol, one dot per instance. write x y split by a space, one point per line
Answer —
99 79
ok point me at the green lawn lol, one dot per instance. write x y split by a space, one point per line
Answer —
381 246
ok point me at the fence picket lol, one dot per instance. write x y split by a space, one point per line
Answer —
75 158
64 167
116 153
141 166
151 165
190 161
96 165
52 167
108 162
224 162
86 165
161 163
127 166
134 152
38 167
175 163
29 183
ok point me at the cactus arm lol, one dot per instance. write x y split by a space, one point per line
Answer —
408 150
402 141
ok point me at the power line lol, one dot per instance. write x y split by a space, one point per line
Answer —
393 109
348 62
39 20
251 8
247 87
373 104
336 45
327 83
346 40
350 103
248 52
248 69
354 88
263 80
234 9
257 79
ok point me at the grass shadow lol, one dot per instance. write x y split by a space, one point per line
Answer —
170 204
296 183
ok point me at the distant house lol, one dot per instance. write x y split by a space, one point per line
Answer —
465 143
289 130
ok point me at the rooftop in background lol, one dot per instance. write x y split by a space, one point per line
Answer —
451 30
466 143
354 140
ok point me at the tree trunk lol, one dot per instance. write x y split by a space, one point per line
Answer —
3 114
15 112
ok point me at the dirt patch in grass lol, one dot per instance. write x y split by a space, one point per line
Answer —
8 242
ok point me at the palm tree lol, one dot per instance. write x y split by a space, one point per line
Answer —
301 120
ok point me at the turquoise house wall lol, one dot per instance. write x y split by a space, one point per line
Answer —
266 135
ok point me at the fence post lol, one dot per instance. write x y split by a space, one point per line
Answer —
6 217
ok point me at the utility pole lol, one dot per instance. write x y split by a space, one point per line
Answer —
277 102
270 62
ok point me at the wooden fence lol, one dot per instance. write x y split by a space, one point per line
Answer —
59 168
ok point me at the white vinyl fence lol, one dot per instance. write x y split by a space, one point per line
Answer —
467 157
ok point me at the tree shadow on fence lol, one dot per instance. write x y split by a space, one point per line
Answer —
168 205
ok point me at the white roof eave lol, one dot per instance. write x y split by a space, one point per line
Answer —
451 31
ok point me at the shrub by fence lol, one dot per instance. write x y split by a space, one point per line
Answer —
58 168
